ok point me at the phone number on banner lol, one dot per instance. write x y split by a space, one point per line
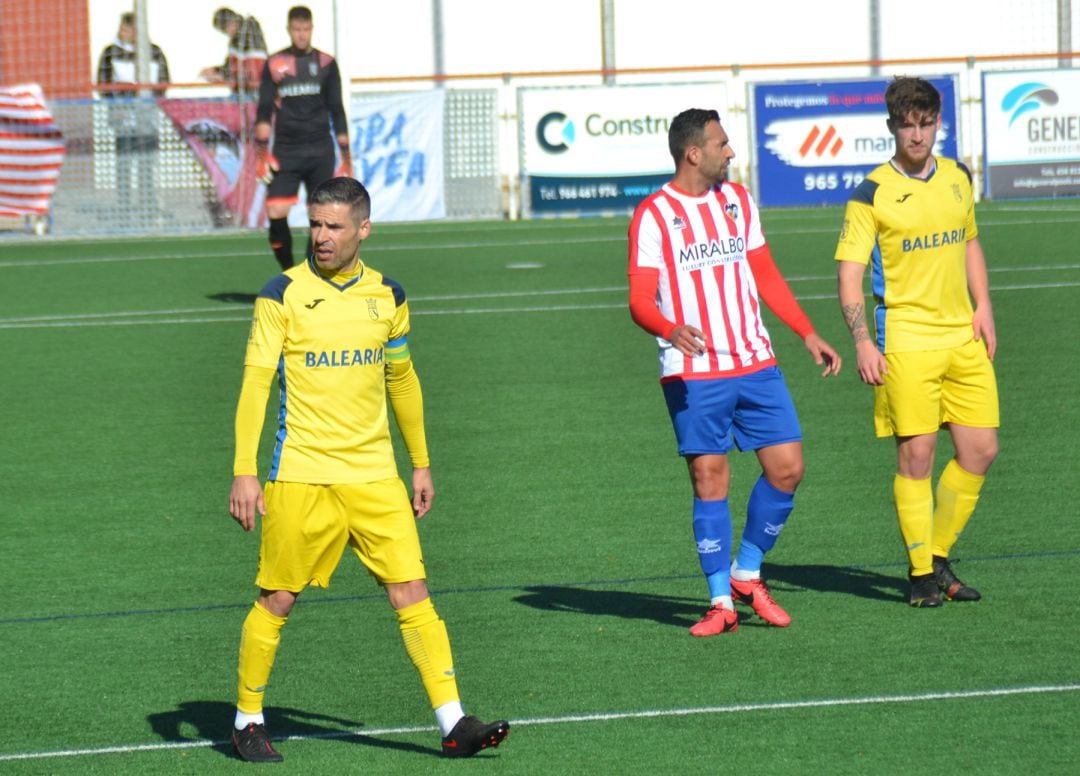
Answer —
830 181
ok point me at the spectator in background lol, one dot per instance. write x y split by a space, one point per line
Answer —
134 120
247 53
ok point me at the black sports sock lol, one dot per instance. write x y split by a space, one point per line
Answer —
281 241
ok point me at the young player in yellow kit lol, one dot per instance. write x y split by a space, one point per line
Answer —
913 221
334 333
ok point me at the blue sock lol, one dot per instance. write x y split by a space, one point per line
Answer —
766 513
712 532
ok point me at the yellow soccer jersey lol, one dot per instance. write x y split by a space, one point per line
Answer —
329 344
914 234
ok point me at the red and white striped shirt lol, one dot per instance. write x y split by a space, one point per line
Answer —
700 247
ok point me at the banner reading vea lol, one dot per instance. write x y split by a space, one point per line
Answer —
601 149
1031 125
817 141
397 149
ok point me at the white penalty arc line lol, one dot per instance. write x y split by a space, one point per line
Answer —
144 317
736 708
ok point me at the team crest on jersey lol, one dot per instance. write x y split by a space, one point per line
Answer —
372 309
732 211
678 223
956 192
313 68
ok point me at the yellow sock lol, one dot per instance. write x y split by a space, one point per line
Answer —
915 512
428 646
259 641
957 495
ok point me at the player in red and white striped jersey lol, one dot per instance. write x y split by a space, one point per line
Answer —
699 269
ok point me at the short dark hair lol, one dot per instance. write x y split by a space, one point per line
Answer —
687 129
224 16
127 19
343 191
299 12
907 94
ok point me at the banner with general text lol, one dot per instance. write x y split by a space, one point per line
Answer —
1031 131
601 149
816 141
397 150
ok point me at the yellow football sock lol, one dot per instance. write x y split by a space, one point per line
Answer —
957 495
428 646
259 641
915 512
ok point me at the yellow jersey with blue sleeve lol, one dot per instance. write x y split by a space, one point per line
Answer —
332 343
913 233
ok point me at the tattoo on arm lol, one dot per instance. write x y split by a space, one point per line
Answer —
855 317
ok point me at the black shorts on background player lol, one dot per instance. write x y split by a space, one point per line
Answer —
300 164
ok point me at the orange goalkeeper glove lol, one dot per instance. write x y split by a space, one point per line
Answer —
265 162
344 169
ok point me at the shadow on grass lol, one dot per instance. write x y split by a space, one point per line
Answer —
684 612
666 610
848 580
212 721
233 297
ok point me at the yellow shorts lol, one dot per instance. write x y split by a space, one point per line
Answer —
926 389
306 528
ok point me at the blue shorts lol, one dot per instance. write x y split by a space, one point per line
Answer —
751 411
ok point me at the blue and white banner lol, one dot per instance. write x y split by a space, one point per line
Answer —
397 149
817 141
1031 131
601 149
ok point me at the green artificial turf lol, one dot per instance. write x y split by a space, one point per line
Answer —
559 550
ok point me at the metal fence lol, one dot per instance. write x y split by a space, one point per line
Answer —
128 170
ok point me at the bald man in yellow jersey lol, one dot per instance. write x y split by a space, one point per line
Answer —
334 332
913 221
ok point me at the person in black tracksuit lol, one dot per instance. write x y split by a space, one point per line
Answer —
300 104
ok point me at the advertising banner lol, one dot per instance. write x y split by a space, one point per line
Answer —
817 141
600 149
1031 131
397 151
219 134
397 148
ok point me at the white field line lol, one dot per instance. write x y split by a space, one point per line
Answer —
463 297
246 306
145 317
738 708
1066 217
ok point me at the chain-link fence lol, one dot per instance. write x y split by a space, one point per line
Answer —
130 167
